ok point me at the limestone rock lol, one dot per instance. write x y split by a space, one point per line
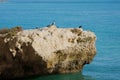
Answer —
47 50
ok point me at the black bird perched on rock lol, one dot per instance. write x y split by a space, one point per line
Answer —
80 26
36 27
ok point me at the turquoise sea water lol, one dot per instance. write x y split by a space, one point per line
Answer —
101 17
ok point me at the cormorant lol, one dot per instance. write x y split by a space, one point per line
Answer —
36 27
80 26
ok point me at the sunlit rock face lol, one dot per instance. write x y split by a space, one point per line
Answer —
44 51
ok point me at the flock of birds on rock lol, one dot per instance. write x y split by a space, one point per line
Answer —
53 23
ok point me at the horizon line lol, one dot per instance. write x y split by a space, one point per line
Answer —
65 1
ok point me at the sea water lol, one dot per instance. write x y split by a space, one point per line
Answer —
103 18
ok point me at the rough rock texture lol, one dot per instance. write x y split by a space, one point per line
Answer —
45 51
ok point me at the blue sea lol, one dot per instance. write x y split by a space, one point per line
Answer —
101 17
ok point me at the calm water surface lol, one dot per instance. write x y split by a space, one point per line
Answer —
102 18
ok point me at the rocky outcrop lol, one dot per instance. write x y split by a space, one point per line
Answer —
45 51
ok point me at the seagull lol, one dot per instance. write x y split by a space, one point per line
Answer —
53 23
